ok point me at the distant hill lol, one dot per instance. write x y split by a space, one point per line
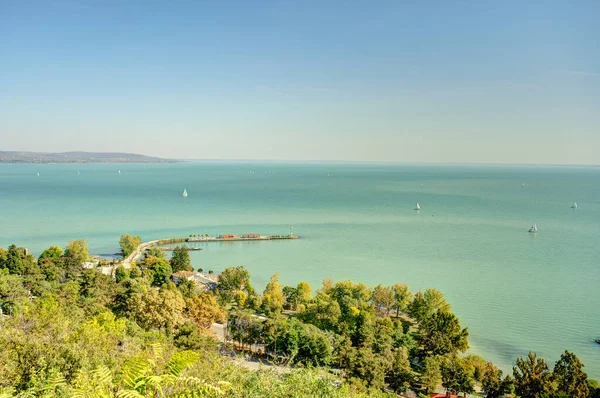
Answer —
77 157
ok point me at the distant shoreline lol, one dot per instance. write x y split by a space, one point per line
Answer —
23 157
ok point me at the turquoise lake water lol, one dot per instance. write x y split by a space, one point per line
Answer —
514 290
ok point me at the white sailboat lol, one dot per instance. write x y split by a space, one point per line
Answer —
574 205
417 207
38 174
534 228
185 193
78 172
119 171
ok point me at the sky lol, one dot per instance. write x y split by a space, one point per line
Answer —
393 81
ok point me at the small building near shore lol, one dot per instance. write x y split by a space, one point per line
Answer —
250 236
107 270
227 236
446 394
90 264
196 277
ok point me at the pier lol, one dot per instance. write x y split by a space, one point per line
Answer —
171 249
236 238
139 251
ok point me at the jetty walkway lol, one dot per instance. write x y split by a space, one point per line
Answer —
240 238
139 251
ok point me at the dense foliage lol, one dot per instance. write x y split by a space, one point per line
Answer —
67 331
129 243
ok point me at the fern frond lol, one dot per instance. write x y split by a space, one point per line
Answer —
181 360
128 394
202 391
53 382
103 375
158 349
147 383
132 371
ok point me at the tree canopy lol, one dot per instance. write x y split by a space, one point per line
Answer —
65 330
180 260
129 243
532 377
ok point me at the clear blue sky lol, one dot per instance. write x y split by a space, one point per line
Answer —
407 81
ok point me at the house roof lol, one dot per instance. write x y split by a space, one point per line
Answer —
442 395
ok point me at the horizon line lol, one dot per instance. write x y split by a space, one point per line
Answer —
391 162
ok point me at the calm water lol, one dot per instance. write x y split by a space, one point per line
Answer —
515 291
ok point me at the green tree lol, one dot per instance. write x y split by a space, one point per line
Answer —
129 243
304 292
12 292
96 290
492 382
134 271
254 301
52 269
276 332
290 296
204 310
383 297
401 376
3 256
431 375
425 304
273 296
189 337
17 261
594 388
245 328
121 273
350 296
154 252
187 287
314 345
479 366
367 366
161 270
157 309
569 376
234 279
402 297
531 377
240 298
363 330
323 312
53 252
76 253
180 260
441 334
457 375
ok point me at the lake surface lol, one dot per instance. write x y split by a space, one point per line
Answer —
514 290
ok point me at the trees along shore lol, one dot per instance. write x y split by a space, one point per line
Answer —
66 331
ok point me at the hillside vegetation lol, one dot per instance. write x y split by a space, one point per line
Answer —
66 331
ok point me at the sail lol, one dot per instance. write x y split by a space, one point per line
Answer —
417 207
185 192
574 205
